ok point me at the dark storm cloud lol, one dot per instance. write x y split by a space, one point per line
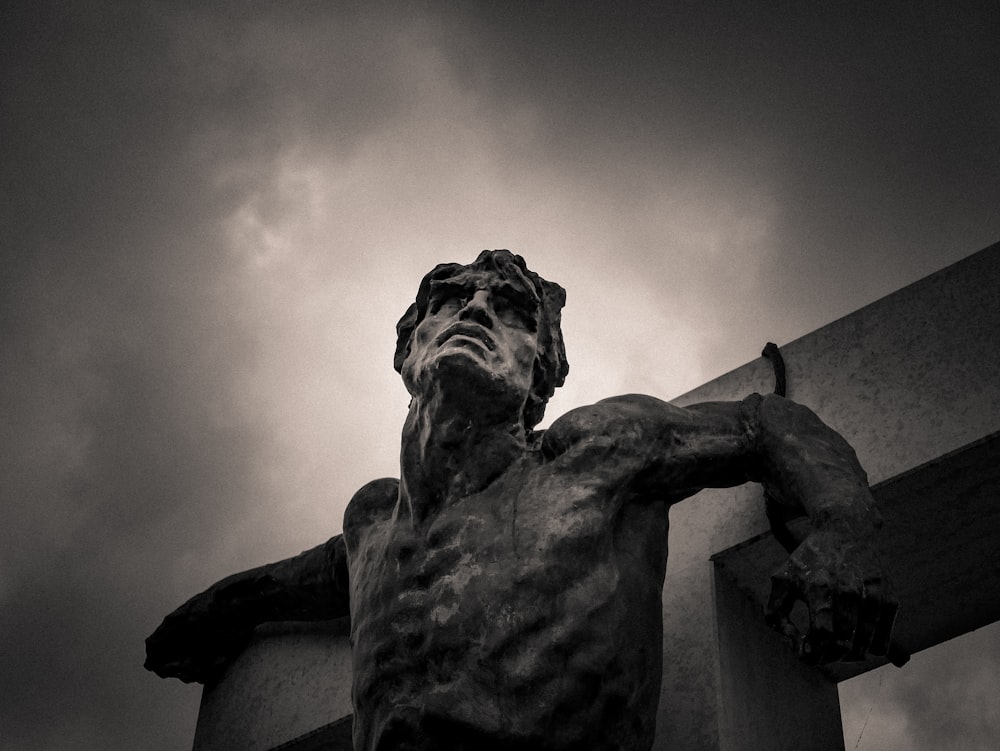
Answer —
873 127
944 699
957 709
119 443
131 133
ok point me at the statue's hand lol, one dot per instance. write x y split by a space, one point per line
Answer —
195 642
851 609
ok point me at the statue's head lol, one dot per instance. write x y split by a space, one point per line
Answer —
494 318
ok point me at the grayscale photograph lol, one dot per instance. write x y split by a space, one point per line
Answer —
480 376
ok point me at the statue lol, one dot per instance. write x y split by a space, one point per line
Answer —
505 591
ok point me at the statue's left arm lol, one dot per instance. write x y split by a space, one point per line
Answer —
201 637
802 463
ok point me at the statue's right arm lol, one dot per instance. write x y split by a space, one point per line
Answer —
196 641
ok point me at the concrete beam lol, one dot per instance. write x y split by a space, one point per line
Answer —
909 380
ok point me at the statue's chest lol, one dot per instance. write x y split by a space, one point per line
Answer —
486 554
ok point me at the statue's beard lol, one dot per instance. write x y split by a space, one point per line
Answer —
463 379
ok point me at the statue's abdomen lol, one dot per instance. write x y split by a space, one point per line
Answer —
514 620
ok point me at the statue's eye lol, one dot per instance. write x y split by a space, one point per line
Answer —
515 310
447 298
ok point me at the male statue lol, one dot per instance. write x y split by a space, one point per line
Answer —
505 591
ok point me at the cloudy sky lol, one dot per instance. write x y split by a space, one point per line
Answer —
212 217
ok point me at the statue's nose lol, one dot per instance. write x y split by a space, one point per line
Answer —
477 309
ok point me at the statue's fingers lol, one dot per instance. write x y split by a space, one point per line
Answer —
882 637
868 620
167 668
188 673
782 599
847 611
820 643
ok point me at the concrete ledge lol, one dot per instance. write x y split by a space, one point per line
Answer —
337 736
293 679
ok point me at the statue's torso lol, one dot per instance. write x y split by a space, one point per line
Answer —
525 616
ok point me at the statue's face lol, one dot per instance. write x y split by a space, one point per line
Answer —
479 336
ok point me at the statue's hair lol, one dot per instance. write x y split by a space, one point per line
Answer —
551 366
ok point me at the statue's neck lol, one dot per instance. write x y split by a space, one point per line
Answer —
450 453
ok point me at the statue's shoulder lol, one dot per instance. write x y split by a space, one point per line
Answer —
619 419
371 503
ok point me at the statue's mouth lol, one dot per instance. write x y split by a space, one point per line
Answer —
470 331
